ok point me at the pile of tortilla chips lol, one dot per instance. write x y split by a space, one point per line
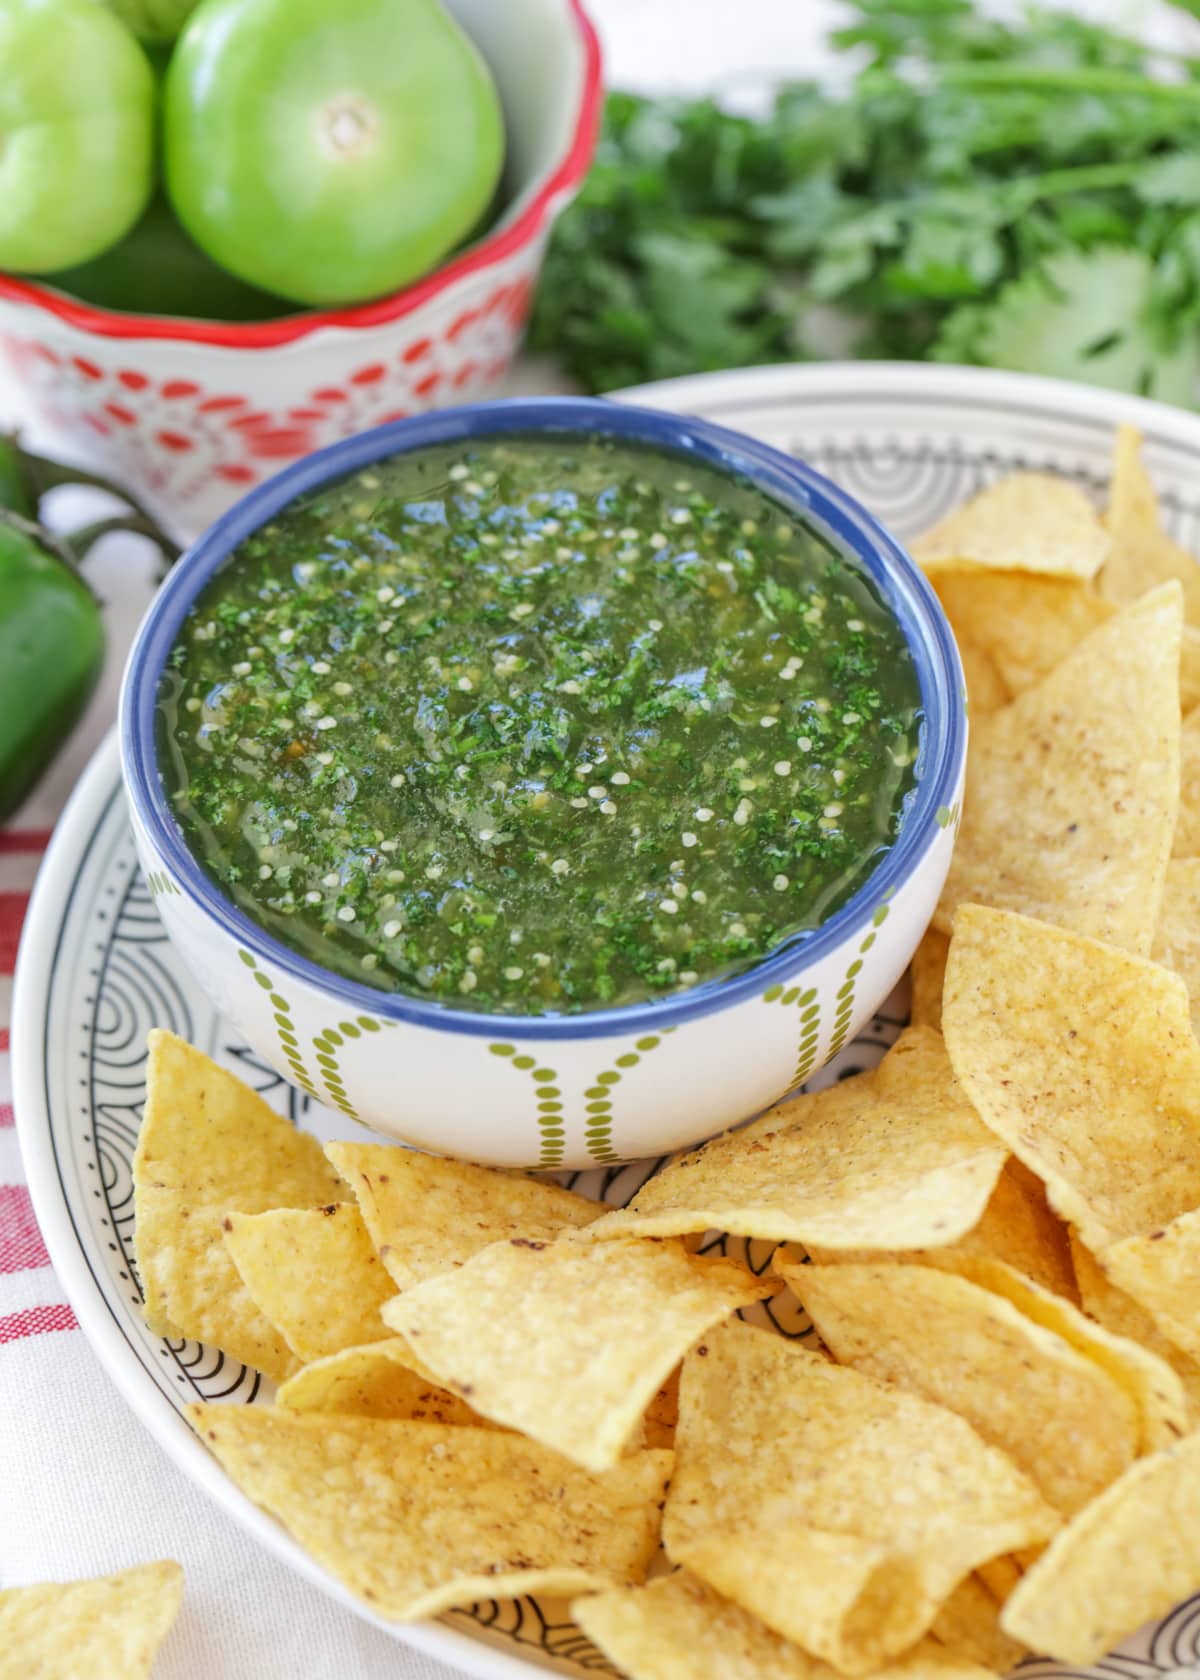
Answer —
987 1447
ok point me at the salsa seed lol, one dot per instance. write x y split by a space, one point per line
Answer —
392 928
332 879
342 688
742 815
737 930
346 913
327 722
475 954
608 808
619 778
783 767
560 866
580 804
804 743
658 540
399 779
679 890
470 979
834 810
320 668
513 973
668 907
265 872
312 898
434 872
699 896
687 838
780 883
768 722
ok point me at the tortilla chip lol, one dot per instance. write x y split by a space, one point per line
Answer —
1130 1556
928 972
1121 1314
1057 1415
896 1158
839 1510
1186 843
662 1414
426 1214
1161 1270
568 1341
1017 1226
375 1381
676 1628
1142 554
1189 669
1000 1576
416 1517
1072 790
986 688
1177 936
314 1273
1081 1057
1149 1381
209 1146
1028 522
108 1628
1024 625
968 1626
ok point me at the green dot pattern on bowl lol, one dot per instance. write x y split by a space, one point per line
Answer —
601 1098
285 1028
547 1095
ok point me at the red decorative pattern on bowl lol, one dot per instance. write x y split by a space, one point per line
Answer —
192 413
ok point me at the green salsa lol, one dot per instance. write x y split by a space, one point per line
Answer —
535 725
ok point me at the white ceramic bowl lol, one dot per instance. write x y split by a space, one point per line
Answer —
190 414
609 1085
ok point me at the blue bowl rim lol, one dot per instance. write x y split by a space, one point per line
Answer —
789 481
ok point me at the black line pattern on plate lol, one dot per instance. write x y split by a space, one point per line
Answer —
140 983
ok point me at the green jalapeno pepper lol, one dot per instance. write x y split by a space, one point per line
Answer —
51 625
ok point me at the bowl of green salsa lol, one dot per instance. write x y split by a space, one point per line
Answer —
547 782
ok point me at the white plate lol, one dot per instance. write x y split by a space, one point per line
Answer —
96 971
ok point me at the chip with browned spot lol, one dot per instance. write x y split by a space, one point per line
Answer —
841 1511
417 1517
1072 790
894 1158
427 1214
210 1146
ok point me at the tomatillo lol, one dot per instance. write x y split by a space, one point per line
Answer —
154 21
157 270
77 98
329 150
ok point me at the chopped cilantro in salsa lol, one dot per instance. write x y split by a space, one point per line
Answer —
541 724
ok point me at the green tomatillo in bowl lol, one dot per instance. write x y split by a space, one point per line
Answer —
377 150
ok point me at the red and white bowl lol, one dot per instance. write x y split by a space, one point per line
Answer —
190 414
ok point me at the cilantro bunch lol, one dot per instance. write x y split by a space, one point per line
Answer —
1019 195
